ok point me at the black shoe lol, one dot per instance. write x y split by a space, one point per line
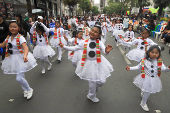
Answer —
59 61
169 51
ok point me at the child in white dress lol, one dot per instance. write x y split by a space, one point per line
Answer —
57 38
93 67
75 56
142 43
18 59
149 79
42 48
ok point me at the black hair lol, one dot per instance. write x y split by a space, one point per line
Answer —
100 30
74 33
58 21
66 26
150 49
19 25
87 24
130 25
40 28
79 30
92 18
147 29
19 16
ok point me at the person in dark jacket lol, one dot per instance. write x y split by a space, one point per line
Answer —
4 30
64 19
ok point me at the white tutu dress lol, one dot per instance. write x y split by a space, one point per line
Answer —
55 41
129 36
14 64
138 53
77 54
152 82
118 30
92 71
43 51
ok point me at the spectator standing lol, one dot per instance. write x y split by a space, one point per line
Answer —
4 29
64 19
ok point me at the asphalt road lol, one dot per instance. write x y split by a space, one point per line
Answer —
61 91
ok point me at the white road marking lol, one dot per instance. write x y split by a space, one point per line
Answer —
55 59
123 53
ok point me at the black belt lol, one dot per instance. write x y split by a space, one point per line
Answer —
152 76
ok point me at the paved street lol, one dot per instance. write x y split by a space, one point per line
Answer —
61 91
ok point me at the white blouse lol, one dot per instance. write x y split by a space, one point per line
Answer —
151 68
14 44
91 48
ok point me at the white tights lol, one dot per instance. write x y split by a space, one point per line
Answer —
93 85
45 60
145 97
23 82
59 49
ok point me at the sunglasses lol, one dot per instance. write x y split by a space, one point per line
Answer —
10 46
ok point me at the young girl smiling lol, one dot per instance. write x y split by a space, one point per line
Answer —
93 66
17 58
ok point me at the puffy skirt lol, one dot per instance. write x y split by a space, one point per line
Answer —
85 37
54 42
148 84
43 51
14 64
94 71
76 57
136 54
118 32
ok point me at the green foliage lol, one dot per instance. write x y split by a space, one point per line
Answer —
161 4
70 2
95 10
86 5
115 8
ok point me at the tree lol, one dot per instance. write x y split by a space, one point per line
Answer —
71 3
95 10
114 8
29 8
85 4
113 1
161 4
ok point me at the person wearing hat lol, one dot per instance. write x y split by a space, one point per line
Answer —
4 29
40 19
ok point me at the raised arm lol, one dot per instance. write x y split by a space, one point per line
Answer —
45 28
32 28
